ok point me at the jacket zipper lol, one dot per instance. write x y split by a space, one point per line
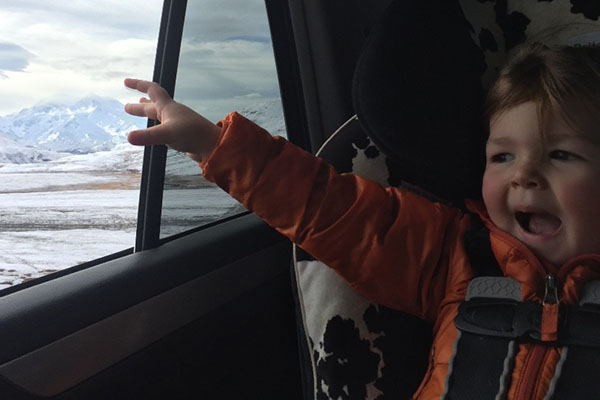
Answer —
551 289
535 360
532 370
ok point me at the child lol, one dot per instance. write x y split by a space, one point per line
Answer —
540 191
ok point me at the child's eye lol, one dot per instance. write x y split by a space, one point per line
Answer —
501 157
564 155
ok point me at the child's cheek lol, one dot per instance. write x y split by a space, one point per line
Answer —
494 200
579 201
487 191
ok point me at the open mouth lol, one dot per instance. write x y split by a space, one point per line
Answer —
538 223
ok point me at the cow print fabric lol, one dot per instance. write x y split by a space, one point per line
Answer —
589 8
359 350
351 363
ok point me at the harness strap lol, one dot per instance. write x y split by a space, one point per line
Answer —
481 364
523 321
493 320
480 367
577 375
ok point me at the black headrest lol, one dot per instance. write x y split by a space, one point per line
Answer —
417 93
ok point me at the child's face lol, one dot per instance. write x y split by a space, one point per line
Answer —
543 189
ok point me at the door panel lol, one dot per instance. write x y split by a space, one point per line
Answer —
191 313
208 314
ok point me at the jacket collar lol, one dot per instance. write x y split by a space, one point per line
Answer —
517 261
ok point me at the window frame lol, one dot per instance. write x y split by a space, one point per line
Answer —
153 170
167 60
288 72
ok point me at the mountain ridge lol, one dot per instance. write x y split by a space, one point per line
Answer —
93 124
87 125
12 152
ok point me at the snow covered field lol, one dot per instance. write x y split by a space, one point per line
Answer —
58 214
61 213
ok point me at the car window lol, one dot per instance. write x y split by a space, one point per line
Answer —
226 64
69 183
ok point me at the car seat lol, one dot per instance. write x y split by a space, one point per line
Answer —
417 94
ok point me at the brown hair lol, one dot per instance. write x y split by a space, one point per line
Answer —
559 79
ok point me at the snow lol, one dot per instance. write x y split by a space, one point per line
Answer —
65 212
185 209
14 152
32 254
116 166
17 182
91 124
123 157
51 137
109 209
46 231
268 115
78 208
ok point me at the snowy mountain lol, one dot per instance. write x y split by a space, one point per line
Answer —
95 124
89 125
16 153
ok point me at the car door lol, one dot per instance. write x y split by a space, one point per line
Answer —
200 309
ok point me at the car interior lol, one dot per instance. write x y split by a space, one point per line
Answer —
221 311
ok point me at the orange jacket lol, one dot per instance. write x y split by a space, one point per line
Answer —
393 247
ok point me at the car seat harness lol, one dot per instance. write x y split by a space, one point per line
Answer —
493 321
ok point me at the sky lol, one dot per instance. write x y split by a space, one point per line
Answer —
64 50
226 60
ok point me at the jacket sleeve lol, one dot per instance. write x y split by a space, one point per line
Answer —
385 242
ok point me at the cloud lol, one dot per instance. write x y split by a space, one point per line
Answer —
72 48
13 58
80 47
219 76
261 39
211 21
249 96
226 60
132 17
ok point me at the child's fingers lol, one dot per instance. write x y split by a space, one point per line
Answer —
157 134
137 84
145 109
153 89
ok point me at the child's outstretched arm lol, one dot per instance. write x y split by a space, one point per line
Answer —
386 243
181 128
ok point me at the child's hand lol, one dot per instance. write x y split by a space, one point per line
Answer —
180 127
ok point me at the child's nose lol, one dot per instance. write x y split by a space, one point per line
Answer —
528 176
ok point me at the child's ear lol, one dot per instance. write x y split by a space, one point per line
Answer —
419 100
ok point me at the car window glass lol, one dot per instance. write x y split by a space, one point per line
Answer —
226 64
69 182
